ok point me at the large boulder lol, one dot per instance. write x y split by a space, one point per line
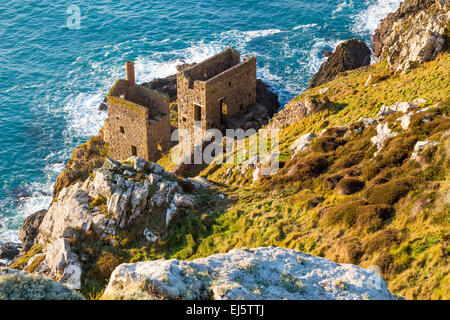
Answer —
30 228
349 55
9 250
61 264
262 273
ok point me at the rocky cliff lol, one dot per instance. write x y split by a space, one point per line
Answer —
135 193
349 55
415 33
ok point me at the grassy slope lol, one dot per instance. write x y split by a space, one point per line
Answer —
411 243
308 214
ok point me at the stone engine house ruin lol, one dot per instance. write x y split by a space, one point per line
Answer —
213 90
138 121
208 94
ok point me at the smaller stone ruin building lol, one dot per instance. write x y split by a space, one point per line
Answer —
138 122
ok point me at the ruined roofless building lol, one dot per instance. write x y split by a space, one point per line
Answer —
138 122
213 90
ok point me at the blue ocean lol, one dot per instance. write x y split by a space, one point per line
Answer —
55 73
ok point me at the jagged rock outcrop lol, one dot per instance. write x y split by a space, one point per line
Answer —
114 196
84 159
30 229
111 198
262 273
415 33
349 55
407 9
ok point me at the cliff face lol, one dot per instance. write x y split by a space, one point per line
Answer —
136 194
415 33
349 55
84 159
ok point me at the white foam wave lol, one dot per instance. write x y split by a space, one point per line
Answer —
240 39
84 118
260 33
316 59
305 26
341 6
40 198
369 19
163 65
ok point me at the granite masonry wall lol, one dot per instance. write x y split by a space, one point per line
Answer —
138 122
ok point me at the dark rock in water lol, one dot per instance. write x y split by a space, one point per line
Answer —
9 250
349 55
266 98
20 192
2 264
30 228
407 8
102 107
327 53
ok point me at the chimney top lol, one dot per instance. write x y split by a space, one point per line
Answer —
129 65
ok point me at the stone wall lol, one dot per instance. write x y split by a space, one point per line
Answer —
236 87
158 137
138 122
125 127
213 66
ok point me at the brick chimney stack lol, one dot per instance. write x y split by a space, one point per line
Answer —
130 73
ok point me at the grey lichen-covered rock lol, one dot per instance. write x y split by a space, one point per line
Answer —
19 285
383 133
262 273
124 198
396 107
106 201
69 210
421 146
62 264
301 143
415 33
